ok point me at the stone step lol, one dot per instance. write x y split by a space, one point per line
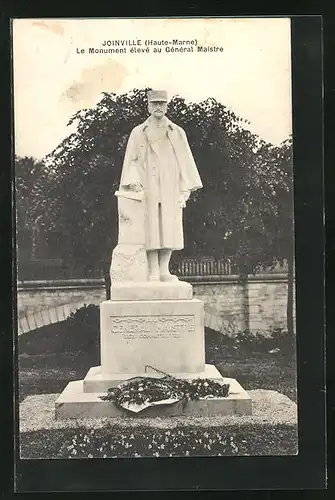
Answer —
74 403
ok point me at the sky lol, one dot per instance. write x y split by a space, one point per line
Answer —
55 75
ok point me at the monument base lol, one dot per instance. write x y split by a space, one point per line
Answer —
166 334
152 290
75 402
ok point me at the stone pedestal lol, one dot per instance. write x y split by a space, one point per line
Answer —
166 334
159 326
146 324
147 290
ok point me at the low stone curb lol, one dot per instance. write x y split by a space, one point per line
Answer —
269 407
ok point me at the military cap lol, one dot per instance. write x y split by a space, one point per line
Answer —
157 95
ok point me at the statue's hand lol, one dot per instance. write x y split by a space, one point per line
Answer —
184 196
136 187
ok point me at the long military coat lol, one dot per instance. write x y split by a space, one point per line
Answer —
165 169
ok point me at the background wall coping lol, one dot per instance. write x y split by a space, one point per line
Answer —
100 283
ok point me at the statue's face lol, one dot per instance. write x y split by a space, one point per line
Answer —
157 109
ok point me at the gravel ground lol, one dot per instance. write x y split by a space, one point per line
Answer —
37 412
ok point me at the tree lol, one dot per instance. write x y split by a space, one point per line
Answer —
243 210
28 174
84 171
284 234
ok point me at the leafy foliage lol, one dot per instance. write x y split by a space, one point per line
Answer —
278 342
86 318
244 208
119 441
78 335
28 175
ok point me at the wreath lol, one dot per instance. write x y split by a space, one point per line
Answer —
139 393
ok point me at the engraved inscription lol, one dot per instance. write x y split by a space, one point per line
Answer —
152 327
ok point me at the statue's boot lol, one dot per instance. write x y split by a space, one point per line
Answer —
164 259
153 265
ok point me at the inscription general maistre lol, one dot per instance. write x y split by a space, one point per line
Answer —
153 327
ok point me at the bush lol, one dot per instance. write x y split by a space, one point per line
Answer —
284 341
84 332
86 318
80 334
242 344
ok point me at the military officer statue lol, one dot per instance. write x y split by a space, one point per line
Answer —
159 166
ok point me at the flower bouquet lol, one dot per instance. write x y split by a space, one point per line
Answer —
139 393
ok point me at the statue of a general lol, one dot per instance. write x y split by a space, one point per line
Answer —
159 166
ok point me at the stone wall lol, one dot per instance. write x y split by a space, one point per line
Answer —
42 303
230 306
258 305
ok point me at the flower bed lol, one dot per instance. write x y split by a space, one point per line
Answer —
128 442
